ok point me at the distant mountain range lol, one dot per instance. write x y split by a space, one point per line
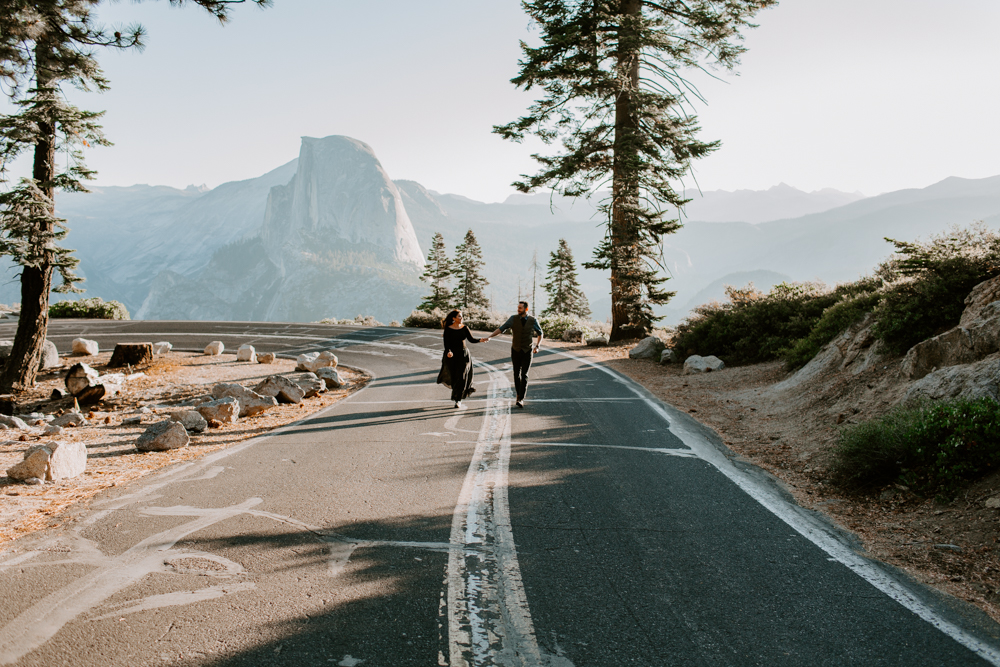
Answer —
331 235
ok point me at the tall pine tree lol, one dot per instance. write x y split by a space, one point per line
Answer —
468 269
563 287
438 274
614 96
46 45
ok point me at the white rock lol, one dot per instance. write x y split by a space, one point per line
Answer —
649 347
162 436
313 361
246 353
215 348
697 364
310 383
162 347
331 378
13 422
192 420
225 410
52 429
51 461
251 403
70 419
280 388
50 355
265 358
85 346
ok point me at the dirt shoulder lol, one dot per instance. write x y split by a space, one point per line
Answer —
112 459
949 545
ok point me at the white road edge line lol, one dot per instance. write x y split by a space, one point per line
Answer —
488 618
804 524
683 453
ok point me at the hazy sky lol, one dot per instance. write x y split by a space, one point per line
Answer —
848 94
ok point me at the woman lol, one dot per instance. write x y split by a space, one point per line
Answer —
456 366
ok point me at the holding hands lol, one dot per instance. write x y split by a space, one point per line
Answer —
484 340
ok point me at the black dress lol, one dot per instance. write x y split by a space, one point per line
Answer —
456 372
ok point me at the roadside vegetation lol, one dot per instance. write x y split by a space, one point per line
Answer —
931 449
917 293
95 309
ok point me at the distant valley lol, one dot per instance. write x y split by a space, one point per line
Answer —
329 234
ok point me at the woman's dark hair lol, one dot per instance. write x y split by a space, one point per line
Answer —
449 318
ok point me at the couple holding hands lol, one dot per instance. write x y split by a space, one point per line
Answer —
456 366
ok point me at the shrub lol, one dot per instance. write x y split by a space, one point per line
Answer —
931 449
754 327
361 320
94 308
831 323
425 320
927 284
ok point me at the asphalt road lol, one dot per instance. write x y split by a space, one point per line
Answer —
596 526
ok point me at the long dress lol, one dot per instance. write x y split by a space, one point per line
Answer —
456 372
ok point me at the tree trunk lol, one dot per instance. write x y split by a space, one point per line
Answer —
625 185
32 327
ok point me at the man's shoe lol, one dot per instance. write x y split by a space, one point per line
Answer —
520 404
458 404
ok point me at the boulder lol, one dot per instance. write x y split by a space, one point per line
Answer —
979 337
597 341
649 347
280 388
215 348
50 356
51 461
331 378
161 436
697 364
131 354
85 346
310 384
246 353
162 347
313 361
224 411
970 381
13 422
70 419
190 419
251 403
572 336
668 357
265 358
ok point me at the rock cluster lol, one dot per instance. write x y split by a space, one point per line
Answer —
313 361
251 403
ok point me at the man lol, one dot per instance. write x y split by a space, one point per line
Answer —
523 327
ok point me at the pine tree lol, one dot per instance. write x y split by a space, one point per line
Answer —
468 268
438 273
46 45
615 98
563 288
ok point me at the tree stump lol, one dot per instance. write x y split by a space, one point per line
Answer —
131 354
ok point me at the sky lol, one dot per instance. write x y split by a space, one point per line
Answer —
854 95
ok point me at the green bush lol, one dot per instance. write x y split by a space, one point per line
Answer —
832 322
753 327
932 449
94 308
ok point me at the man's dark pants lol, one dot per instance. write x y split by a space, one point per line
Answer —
521 360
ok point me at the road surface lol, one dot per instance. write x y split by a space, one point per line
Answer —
597 526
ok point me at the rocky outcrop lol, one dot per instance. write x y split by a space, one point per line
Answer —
853 351
51 461
649 347
970 381
976 336
699 364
